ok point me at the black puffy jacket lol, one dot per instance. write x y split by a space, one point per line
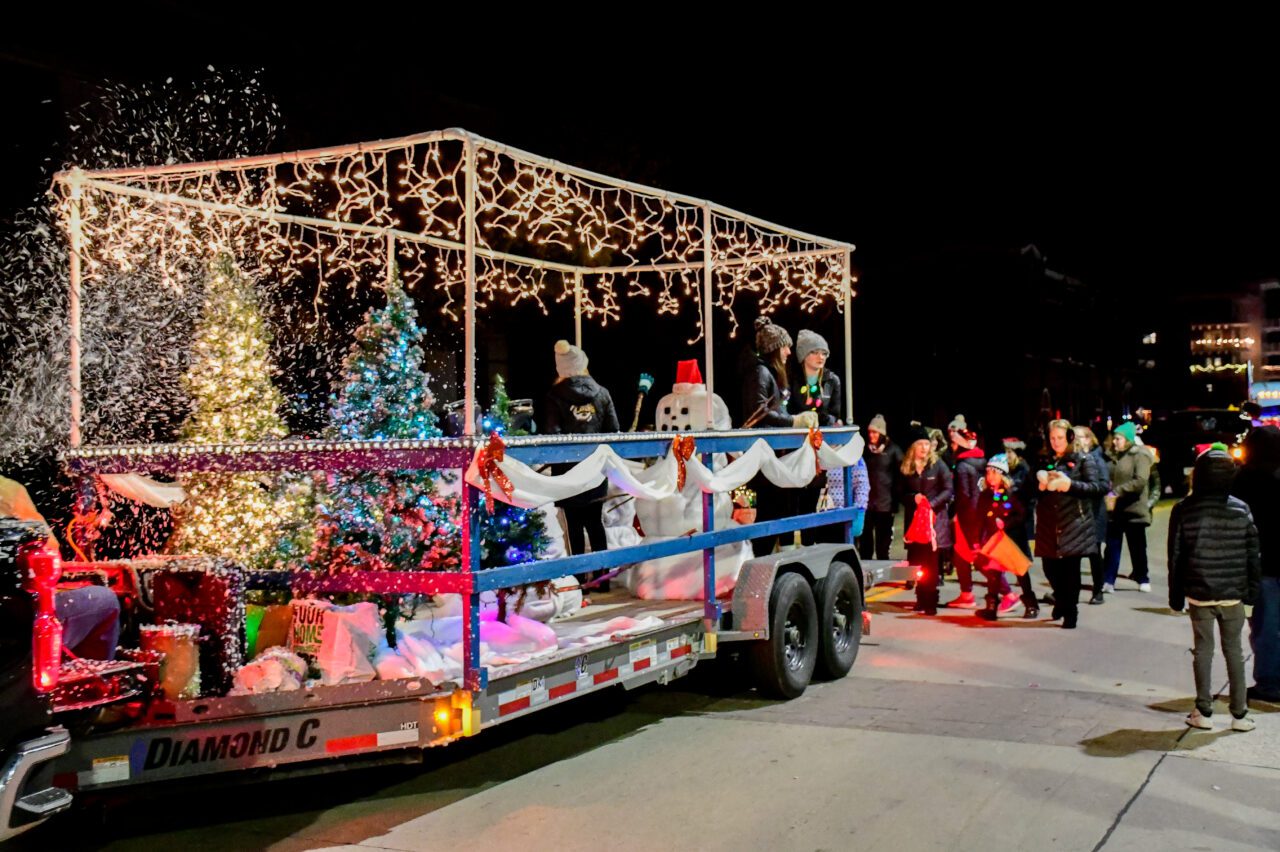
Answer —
1258 484
1065 520
1213 544
884 466
970 468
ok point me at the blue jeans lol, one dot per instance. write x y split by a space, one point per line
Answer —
1117 532
90 617
1264 637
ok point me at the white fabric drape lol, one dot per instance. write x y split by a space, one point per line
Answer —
162 495
531 489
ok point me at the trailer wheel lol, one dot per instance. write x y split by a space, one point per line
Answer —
839 621
783 664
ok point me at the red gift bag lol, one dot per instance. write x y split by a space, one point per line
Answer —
921 530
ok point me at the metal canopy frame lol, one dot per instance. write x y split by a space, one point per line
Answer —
133 183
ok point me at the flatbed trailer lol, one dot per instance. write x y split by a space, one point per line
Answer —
791 614
323 723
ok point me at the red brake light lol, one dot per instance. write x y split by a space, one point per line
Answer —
919 573
41 569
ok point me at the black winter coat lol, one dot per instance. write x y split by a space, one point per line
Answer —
935 485
760 389
1065 521
1008 509
1258 484
831 411
1100 502
883 469
579 406
1024 485
1213 543
970 468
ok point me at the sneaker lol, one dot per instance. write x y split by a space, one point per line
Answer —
1196 719
1244 723
1256 694
1097 599
1031 612
1009 601
965 601
987 614
1144 587
1108 588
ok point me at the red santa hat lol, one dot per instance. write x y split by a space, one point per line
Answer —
687 373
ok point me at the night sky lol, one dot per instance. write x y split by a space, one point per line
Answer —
1140 162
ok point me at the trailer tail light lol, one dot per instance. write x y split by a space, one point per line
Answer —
919 573
41 570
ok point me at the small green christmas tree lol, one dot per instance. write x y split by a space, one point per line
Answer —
233 401
510 535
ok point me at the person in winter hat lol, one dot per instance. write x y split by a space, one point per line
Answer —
967 470
1130 468
765 396
924 485
818 391
884 463
1258 485
998 508
1215 567
577 405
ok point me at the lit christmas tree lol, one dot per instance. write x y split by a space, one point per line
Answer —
510 535
233 401
392 520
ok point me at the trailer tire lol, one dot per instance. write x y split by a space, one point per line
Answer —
839 601
783 664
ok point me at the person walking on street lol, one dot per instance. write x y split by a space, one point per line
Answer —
999 509
1258 485
967 472
1130 468
1023 485
1214 568
884 462
1065 526
925 485
1087 442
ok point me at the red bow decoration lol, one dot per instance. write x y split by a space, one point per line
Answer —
682 446
815 441
488 460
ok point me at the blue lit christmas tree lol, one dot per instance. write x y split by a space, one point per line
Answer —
395 520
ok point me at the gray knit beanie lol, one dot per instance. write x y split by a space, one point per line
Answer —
570 360
879 425
769 337
810 341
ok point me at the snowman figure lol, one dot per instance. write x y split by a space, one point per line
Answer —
679 577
